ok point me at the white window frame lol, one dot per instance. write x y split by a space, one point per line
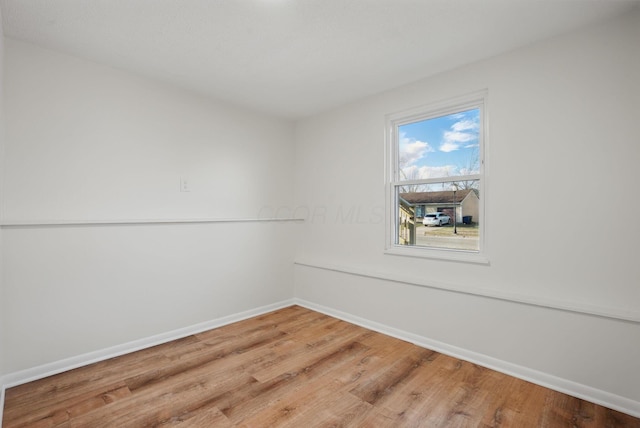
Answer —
392 177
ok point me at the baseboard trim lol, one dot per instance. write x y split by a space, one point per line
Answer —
585 392
1 400
565 386
49 369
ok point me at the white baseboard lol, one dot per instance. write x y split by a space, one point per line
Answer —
585 392
49 369
1 401
565 386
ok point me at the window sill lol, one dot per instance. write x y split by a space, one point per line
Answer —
438 254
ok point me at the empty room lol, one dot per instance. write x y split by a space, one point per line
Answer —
362 213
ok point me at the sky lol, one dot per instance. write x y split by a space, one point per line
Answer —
444 146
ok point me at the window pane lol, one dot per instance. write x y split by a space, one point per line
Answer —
445 146
439 215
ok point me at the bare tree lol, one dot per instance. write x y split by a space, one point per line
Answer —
471 166
409 174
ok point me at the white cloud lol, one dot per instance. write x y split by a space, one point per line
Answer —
463 131
411 172
437 171
458 137
411 151
468 171
449 146
465 125
414 172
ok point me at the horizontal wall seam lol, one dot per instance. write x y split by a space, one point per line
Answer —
8 224
556 304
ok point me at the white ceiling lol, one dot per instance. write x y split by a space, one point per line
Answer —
294 58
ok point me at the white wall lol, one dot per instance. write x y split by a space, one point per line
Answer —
87 142
563 142
2 299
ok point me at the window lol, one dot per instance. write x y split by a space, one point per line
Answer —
435 180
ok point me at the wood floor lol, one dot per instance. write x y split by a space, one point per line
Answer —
298 368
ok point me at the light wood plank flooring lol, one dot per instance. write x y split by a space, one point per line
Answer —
299 368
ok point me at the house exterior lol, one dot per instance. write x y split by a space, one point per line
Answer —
465 203
406 224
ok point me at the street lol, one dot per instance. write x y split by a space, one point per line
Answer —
443 237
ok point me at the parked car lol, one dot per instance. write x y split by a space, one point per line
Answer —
436 219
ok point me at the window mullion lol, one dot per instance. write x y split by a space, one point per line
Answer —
436 180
